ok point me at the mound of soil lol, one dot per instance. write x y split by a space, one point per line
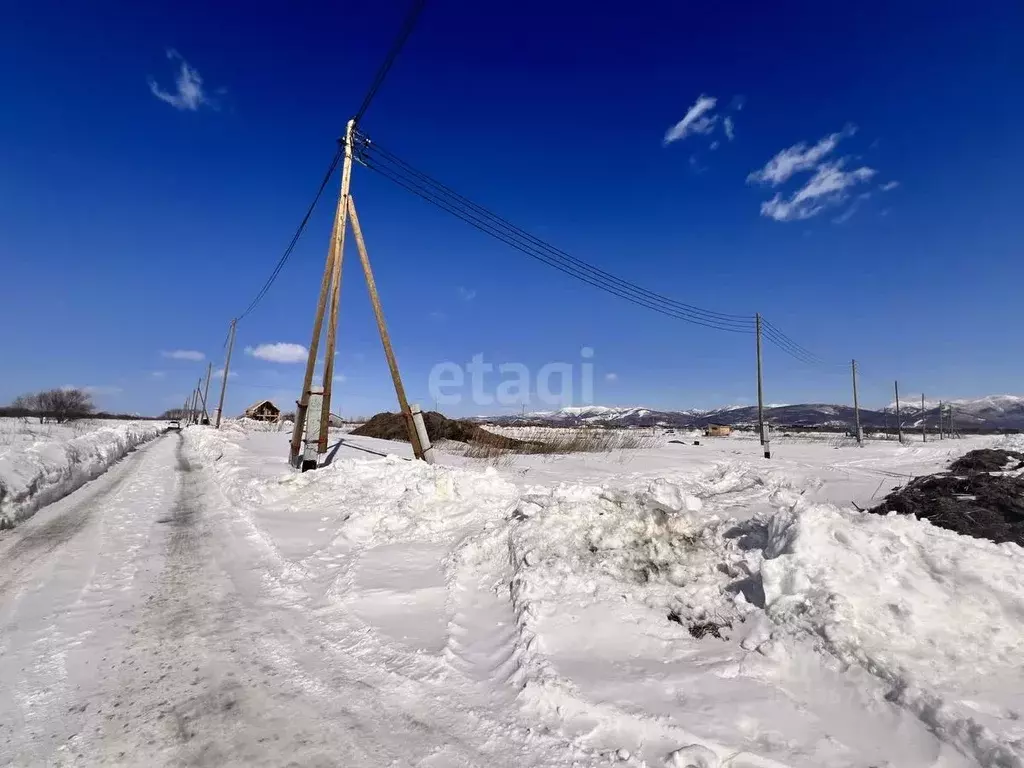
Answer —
391 426
987 460
969 501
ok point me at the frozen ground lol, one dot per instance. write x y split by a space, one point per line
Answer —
680 605
42 462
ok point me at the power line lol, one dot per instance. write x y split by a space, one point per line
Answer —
420 184
403 35
295 238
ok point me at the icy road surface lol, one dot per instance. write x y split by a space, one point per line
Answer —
140 626
202 604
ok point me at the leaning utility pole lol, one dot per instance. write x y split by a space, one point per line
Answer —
206 391
856 404
760 383
227 370
899 424
330 287
924 422
418 447
331 276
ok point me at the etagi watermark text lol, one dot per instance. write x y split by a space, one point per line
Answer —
508 384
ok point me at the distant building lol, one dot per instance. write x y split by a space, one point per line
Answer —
717 430
264 410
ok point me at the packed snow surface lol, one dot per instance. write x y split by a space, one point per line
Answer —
678 605
42 462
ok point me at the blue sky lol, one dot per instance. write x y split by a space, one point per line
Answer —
136 218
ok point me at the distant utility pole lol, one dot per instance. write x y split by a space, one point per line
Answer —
885 417
206 392
760 380
899 424
227 370
856 403
952 429
941 435
924 422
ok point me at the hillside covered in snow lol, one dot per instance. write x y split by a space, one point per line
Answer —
995 412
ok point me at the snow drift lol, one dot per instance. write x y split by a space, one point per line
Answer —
660 618
40 473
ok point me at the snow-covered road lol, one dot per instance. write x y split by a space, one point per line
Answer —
141 625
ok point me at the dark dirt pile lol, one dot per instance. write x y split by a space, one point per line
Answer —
987 460
391 426
968 499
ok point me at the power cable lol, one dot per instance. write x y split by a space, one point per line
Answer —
486 221
403 35
295 238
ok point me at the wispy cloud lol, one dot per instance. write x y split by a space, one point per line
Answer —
97 390
437 316
158 374
889 186
829 185
729 127
279 352
188 94
696 120
611 377
219 374
799 157
183 354
467 294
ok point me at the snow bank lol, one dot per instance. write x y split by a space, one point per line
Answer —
34 475
937 616
660 617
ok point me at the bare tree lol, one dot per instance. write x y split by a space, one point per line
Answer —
27 405
174 414
65 404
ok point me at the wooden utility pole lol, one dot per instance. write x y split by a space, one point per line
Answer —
206 392
199 406
339 254
389 353
856 403
899 424
330 285
227 371
760 381
924 422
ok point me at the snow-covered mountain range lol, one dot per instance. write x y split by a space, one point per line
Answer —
992 412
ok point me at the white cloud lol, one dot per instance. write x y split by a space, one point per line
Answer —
828 187
219 374
184 354
889 186
339 378
97 391
279 352
467 294
611 377
188 94
799 157
158 374
696 120
730 129
714 145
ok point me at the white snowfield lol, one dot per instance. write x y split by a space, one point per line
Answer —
39 463
847 639
678 605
